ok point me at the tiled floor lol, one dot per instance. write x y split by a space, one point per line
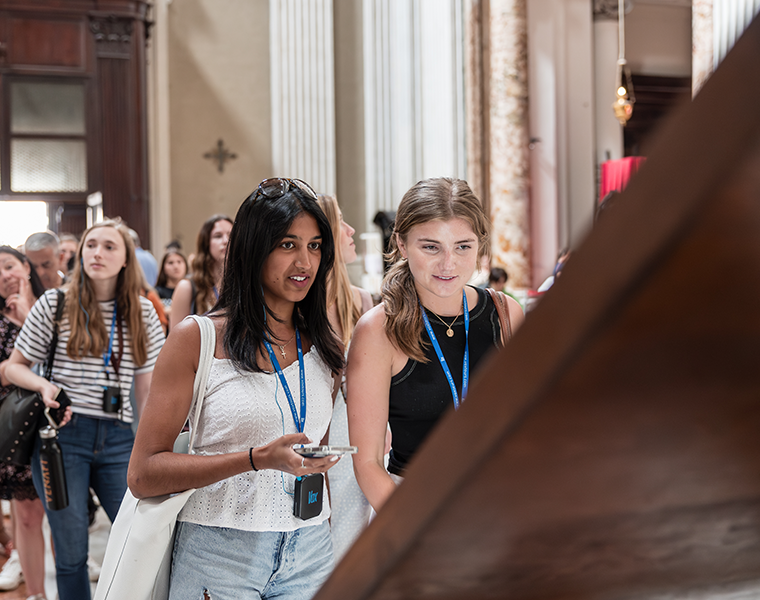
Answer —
98 539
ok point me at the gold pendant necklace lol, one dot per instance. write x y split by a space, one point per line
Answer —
449 330
282 348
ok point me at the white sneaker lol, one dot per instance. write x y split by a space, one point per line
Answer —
93 569
11 576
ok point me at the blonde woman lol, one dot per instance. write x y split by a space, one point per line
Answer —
396 373
109 336
346 303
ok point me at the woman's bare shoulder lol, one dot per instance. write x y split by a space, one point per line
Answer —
373 319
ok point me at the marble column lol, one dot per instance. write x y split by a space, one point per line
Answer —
508 147
701 43
159 138
303 91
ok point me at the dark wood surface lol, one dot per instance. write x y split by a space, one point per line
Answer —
612 450
100 42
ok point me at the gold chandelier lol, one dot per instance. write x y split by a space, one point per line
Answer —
624 98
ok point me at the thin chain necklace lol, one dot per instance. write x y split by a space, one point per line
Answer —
449 330
282 348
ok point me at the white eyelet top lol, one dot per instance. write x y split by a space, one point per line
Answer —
243 410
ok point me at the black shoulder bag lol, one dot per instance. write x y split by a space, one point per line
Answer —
21 410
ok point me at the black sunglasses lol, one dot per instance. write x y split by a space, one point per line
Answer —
275 187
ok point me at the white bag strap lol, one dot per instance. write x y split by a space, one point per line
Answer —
205 358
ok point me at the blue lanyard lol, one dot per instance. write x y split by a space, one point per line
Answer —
107 353
300 423
442 359
216 293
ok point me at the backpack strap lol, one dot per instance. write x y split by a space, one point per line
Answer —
54 341
502 308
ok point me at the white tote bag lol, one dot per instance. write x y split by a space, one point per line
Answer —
137 563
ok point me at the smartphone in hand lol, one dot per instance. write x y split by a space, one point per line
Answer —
63 399
323 451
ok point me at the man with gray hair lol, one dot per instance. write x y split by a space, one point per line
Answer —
44 253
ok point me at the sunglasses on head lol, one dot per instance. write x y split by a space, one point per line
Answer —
276 187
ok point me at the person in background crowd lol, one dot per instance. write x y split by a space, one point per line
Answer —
497 279
19 289
147 261
174 245
345 305
562 258
68 245
411 357
196 296
44 253
173 270
238 536
96 370
151 294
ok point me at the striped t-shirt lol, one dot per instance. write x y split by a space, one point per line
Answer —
85 379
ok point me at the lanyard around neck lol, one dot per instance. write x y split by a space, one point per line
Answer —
442 359
109 352
300 423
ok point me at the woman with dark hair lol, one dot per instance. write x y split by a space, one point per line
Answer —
196 296
173 270
411 356
19 289
109 337
271 386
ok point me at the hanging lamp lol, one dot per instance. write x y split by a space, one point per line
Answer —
624 97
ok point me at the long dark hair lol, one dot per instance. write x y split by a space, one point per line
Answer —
37 288
162 277
260 225
204 266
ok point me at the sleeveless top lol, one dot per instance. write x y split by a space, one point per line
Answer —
420 394
84 378
242 410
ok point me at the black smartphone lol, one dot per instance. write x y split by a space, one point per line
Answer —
63 399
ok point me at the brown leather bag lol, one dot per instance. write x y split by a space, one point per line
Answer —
502 308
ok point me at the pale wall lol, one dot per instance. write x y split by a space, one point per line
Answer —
349 122
219 88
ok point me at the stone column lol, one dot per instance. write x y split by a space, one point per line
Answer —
303 91
159 139
508 149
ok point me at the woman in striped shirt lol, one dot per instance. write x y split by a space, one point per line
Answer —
109 336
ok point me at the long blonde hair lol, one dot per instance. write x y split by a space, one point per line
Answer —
88 331
438 199
339 290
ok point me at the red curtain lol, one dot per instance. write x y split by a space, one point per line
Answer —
616 173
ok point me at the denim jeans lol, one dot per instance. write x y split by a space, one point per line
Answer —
96 454
231 564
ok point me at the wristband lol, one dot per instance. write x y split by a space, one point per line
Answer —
250 459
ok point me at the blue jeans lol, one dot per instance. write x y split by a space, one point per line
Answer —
95 454
231 564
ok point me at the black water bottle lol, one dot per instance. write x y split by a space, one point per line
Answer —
53 472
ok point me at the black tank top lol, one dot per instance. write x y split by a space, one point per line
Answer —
420 394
